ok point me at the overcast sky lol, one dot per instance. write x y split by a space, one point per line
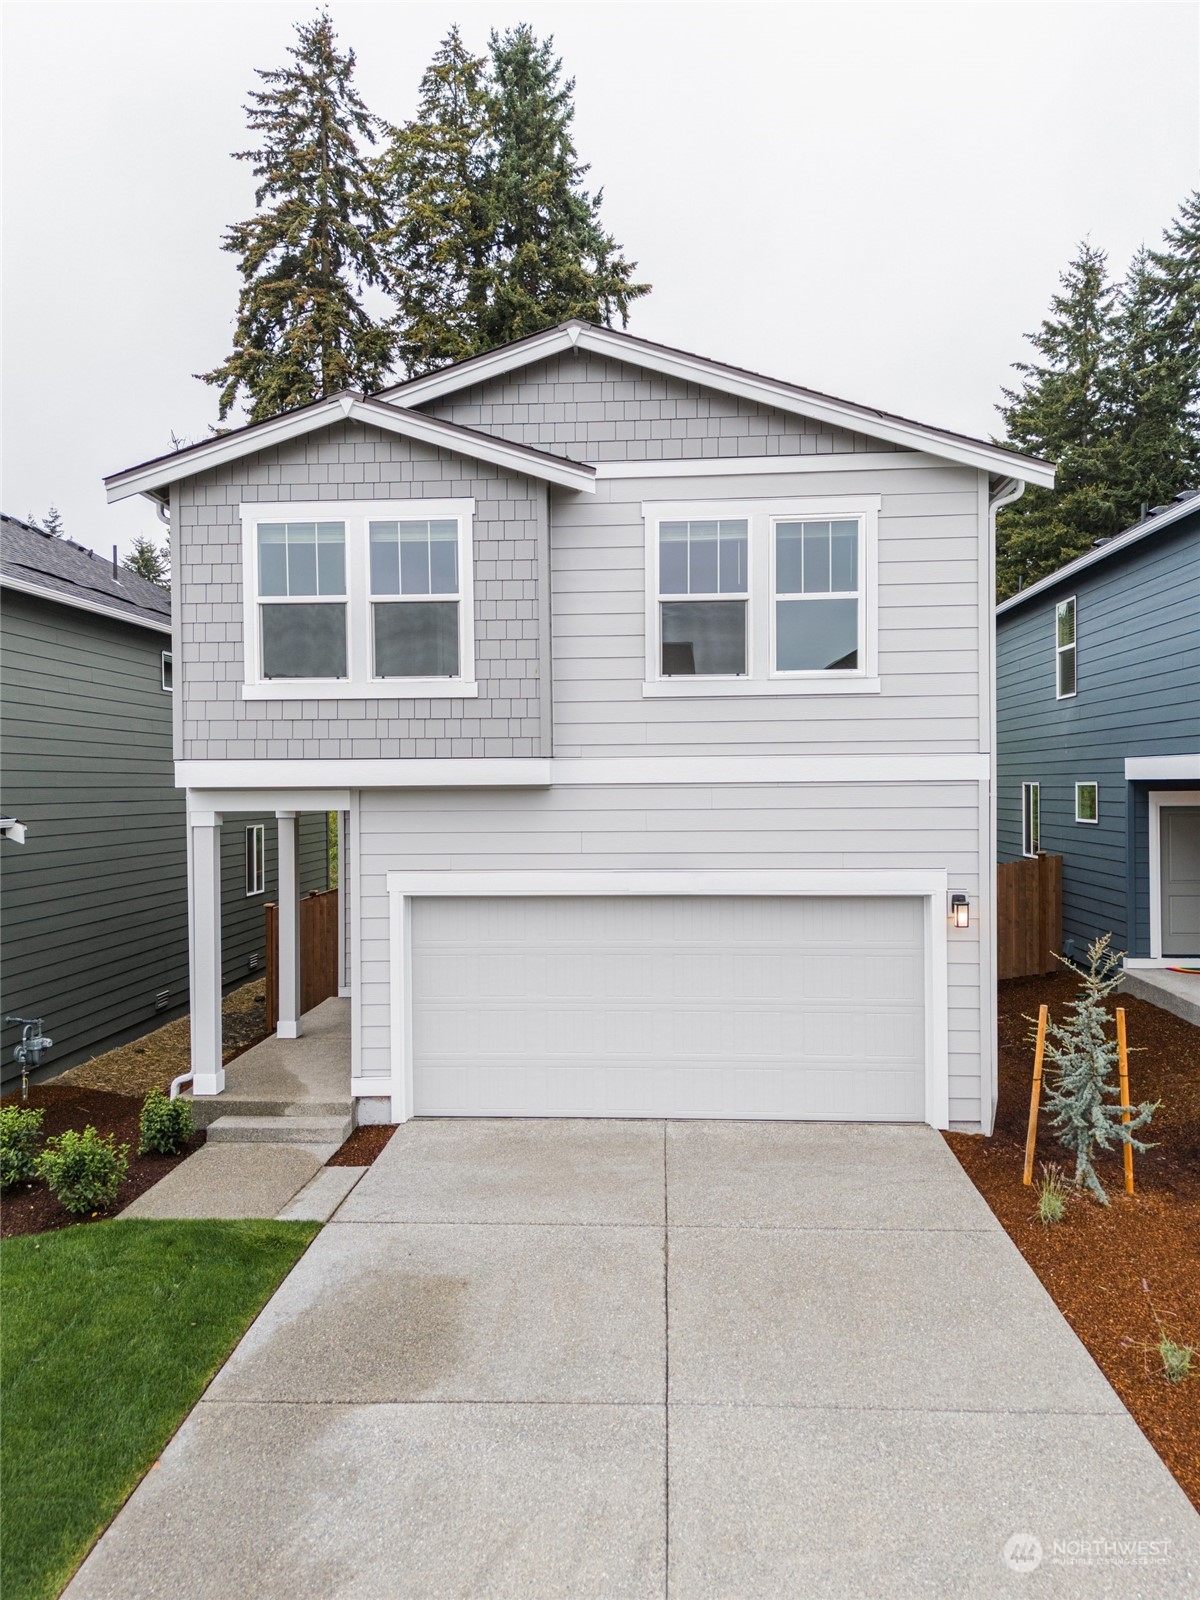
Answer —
873 200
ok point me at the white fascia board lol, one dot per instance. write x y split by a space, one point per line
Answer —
157 475
736 881
541 773
56 597
713 375
1145 768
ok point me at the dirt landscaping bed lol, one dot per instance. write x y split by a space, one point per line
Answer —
1121 1274
30 1207
363 1145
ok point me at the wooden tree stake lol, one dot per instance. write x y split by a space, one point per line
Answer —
1126 1107
1031 1136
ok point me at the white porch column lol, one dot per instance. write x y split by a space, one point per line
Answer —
288 1026
204 930
343 903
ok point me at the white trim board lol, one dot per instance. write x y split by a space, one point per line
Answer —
689 368
56 597
931 886
153 476
766 466
1148 768
238 777
1158 799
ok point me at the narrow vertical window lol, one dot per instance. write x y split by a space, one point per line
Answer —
1031 821
256 875
1087 802
1064 649
168 671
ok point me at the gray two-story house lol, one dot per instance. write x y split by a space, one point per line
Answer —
1098 736
93 904
657 699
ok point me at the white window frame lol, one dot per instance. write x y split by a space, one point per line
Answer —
1090 822
1030 845
359 682
168 668
761 517
256 856
1060 650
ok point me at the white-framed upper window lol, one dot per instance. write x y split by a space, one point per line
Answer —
168 672
1031 819
761 597
256 858
1064 649
1087 802
359 599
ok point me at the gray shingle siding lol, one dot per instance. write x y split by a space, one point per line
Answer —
593 408
1138 672
353 462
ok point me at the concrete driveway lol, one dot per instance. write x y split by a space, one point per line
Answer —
577 1359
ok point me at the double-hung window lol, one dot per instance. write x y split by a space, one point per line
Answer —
1031 819
1064 649
761 597
359 599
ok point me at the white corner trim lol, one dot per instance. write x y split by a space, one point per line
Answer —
1148 768
929 885
56 597
766 466
1158 799
243 778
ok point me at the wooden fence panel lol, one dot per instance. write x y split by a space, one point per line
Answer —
1028 916
318 952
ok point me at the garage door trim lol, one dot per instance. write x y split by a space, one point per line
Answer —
931 886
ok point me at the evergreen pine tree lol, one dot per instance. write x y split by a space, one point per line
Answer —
52 523
1082 1101
302 330
434 174
1065 409
149 561
553 259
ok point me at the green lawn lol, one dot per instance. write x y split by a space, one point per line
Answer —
110 1333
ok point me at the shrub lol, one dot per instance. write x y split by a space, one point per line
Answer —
165 1126
83 1169
20 1133
1052 1195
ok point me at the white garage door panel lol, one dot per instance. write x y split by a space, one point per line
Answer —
669 1006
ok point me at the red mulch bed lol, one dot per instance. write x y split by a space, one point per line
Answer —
1118 1273
363 1145
30 1207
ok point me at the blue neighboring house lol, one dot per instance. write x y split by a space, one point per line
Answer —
1098 736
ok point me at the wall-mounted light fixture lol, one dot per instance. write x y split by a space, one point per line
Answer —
960 910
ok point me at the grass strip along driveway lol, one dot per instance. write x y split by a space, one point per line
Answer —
110 1334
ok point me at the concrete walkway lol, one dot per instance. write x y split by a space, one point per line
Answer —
556 1360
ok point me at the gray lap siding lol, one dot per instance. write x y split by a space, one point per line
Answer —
352 462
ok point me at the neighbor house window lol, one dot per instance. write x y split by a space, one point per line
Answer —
168 671
1064 649
414 634
816 596
1087 802
1031 822
703 584
256 858
761 597
359 600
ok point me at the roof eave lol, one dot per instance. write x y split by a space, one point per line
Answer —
78 603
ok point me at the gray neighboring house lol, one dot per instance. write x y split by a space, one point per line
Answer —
657 697
1098 736
94 903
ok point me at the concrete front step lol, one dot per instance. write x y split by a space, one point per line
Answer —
306 1130
208 1108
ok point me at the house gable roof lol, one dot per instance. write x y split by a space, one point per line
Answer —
688 368
57 569
1185 506
154 478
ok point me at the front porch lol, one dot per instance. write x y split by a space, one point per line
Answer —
308 1076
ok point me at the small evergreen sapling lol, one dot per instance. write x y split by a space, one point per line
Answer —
165 1125
1083 1103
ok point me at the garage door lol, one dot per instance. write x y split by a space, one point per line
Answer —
669 1006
